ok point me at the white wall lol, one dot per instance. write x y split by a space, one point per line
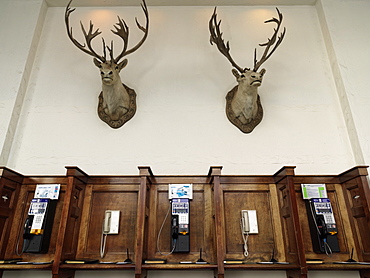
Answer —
181 81
314 95
21 23
348 50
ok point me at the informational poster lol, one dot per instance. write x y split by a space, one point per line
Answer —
310 191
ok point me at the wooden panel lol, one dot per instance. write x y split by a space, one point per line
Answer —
200 222
359 214
287 224
10 183
280 249
15 243
100 198
70 223
72 227
261 245
291 225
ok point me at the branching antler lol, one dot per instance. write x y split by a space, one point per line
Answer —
216 37
122 31
88 36
270 42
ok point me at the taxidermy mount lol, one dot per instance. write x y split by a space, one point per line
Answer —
243 105
117 102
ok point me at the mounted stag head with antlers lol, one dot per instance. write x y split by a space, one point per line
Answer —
117 102
243 106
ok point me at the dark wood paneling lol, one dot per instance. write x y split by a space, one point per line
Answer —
10 183
15 241
199 225
261 245
214 220
102 198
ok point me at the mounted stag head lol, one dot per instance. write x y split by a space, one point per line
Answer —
117 102
243 106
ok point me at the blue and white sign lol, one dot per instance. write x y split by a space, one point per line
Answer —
180 191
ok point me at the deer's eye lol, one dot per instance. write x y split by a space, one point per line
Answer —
253 76
242 75
111 72
101 73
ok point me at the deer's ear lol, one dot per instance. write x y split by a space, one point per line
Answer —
235 73
121 65
97 63
262 72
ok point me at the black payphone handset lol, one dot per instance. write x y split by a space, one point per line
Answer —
322 226
175 227
27 227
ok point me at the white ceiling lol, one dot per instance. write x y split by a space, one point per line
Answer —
92 3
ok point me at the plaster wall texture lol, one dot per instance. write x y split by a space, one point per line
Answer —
21 23
181 81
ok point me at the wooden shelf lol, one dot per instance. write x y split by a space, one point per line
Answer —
255 266
97 266
332 266
25 267
214 221
179 266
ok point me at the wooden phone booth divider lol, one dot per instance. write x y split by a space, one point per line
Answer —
215 215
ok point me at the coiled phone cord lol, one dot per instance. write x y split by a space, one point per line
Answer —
160 232
327 248
103 242
245 239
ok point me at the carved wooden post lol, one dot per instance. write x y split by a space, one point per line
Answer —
215 173
70 221
145 174
284 179
357 196
10 184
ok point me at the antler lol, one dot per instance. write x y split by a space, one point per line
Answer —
270 42
88 36
216 37
122 31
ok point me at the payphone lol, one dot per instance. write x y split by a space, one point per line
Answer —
110 227
180 194
322 226
180 226
38 226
